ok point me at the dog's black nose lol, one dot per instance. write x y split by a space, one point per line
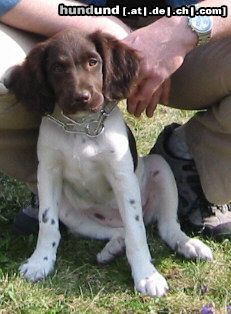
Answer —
83 96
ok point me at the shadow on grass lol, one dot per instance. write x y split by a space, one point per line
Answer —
76 262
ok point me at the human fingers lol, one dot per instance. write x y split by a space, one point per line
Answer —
166 86
153 102
139 101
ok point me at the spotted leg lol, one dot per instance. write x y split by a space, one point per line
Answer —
125 185
42 261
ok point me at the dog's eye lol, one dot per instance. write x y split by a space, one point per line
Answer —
92 62
57 67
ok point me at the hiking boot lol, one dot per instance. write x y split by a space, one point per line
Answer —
195 212
26 221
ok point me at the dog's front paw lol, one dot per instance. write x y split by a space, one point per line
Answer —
154 285
35 269
194 248
148 281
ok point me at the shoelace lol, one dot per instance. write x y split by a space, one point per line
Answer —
207 209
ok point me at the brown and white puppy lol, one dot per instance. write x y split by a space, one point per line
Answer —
89 183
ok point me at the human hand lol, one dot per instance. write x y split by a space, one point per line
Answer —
162 47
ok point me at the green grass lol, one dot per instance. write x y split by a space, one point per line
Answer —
79 285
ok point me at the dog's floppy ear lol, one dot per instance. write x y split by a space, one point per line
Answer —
120 65
29 81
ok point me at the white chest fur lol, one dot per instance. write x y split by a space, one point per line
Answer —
85 161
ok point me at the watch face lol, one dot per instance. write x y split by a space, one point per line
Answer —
202 24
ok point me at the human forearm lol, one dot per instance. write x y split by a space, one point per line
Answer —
221 25
41 16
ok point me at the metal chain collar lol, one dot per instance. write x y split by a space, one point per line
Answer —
91 125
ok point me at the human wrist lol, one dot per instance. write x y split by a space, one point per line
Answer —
175 32
187 37
181 32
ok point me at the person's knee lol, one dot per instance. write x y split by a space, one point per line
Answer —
222 114
15 44
204 77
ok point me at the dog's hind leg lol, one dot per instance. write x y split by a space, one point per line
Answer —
92 229
114 248
83 225
165 197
